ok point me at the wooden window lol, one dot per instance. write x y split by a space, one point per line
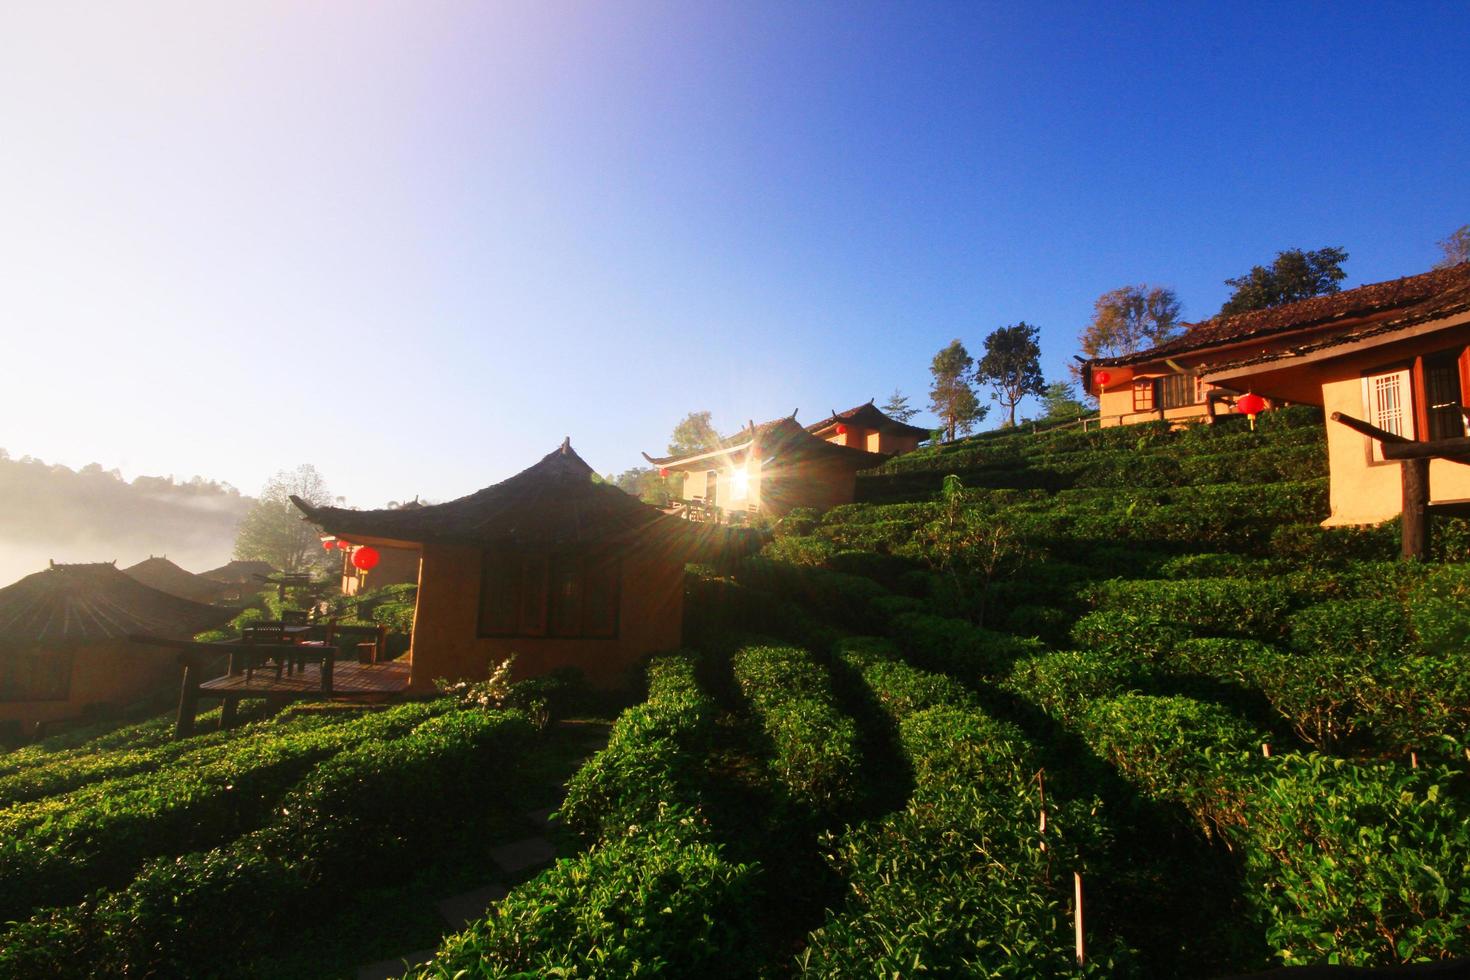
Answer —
1179 390
1443 400
36 676
535 595
1143 395
1386 405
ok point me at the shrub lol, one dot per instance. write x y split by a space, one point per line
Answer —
816 757
657 900
954 646
1143 636
1244 607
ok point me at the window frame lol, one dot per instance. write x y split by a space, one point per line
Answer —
1403 372
1141 386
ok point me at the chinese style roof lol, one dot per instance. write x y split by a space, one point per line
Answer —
781 437
554 503
71 604
239 572
161 574
1376 301
1454 300
868 416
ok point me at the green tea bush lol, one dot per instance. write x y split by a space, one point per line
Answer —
954 646
1140 635
816 758
654 755
1243 607
659 900
1059 682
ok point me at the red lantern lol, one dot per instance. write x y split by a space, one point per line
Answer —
365 558
664 472
1251 404
1102 378
841 429
328 544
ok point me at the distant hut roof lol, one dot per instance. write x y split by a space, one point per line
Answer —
779 437
161 574
868 416
239 572
71 604
553 503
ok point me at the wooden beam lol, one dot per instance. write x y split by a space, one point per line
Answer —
1416 509
1455 450
188 701
1371 431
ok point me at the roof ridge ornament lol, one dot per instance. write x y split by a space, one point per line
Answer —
566 446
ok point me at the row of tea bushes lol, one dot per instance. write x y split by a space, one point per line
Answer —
654 755
961 880
1346 862
365 818
57 849
653 895
815 754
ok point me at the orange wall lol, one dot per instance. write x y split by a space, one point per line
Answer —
110 672
446 621
395 567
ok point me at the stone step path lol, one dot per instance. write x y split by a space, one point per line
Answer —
514 859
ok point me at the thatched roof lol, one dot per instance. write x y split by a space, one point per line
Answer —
161 574
782 437
239 572
72 604
552 504
868 416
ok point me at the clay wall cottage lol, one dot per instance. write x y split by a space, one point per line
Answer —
778 466
63 646
1174 381
548 565
1405 370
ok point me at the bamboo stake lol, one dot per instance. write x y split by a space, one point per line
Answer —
1266 749
1413 760
1077 916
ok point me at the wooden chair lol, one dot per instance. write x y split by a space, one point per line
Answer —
273 635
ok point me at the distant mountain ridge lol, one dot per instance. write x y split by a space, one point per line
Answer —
50 511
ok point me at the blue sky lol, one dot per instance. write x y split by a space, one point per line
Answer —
418 244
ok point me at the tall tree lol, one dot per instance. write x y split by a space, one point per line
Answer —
951 397
1011 365
1293 275
644 483
1129 319
693 435
898 407
1061 400
273 530
1456 248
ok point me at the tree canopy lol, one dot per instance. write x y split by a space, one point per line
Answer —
273 531
1060 398
696 434
1011 365
951 397
1293 275
1129 319
1455 248
898 407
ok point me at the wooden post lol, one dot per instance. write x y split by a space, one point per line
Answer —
188 700
1266 749
329 655
1416 509
1077 916
227 708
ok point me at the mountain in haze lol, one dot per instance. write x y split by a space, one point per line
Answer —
53 512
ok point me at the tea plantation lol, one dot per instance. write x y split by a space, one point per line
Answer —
900 741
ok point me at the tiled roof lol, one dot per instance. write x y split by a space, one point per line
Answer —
239 572
1372 300
69 604
163 575
556 502
869 416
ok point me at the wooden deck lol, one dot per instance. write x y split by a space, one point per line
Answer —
348 680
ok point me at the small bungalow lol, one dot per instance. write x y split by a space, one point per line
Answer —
549 565
1403 368
63 646
157 572
1175 381
778 466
